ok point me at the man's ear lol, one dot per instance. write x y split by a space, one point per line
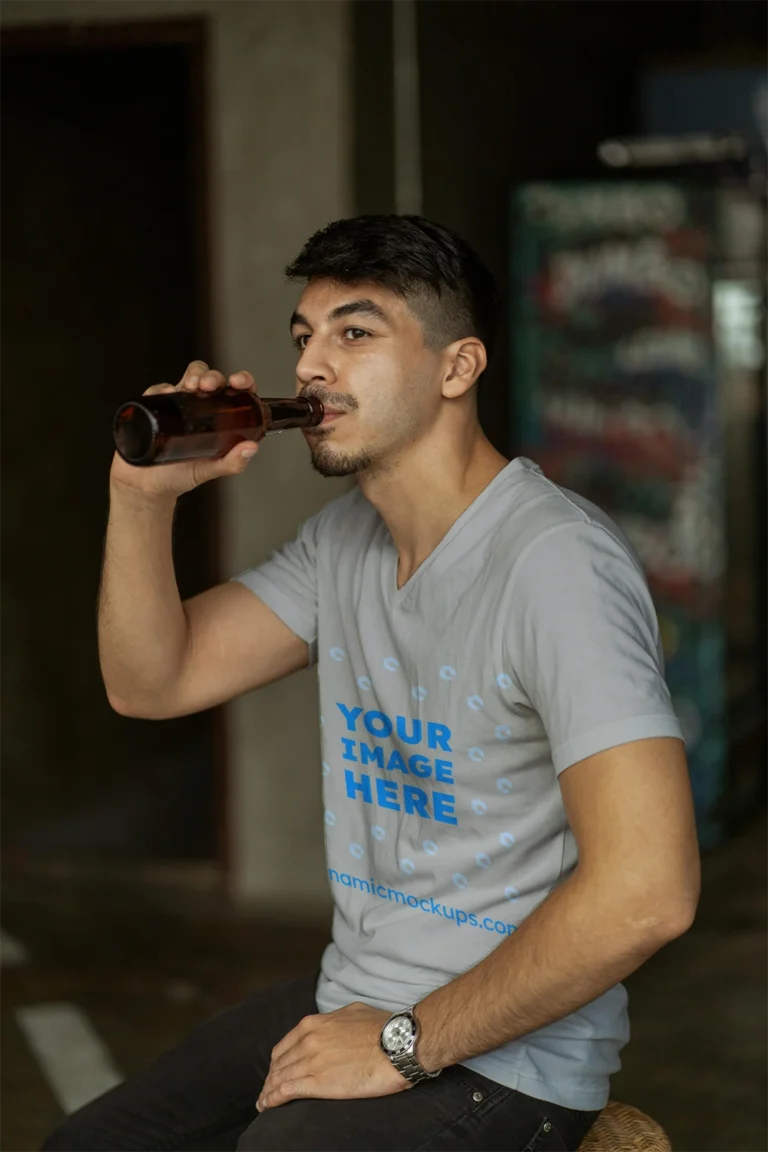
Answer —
467 360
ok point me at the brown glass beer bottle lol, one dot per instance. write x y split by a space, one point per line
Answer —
172 426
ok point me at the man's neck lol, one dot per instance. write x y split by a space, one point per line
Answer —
422 496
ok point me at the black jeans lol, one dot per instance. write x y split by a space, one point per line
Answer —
202 1095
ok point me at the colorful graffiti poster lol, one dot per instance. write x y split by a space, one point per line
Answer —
616 398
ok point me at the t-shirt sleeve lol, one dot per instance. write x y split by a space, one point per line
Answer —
287 583
583 638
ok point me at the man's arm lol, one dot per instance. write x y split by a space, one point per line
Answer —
634 889
160 657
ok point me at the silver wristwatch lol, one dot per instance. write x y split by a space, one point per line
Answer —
398 1040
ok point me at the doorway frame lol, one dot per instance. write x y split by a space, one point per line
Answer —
191 32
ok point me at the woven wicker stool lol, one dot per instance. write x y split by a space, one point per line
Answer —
621 1128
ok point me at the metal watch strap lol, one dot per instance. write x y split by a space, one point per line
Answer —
409 1067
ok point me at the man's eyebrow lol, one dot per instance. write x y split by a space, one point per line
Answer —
363 307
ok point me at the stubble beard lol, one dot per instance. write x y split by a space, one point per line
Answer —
330 463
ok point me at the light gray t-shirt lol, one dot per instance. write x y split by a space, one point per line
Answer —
525 642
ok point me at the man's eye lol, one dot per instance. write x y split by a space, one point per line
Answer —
355 333
299 341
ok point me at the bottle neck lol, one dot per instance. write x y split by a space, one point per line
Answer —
301 412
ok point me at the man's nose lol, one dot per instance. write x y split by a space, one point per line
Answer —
314 365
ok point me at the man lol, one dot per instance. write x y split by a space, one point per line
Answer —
508 817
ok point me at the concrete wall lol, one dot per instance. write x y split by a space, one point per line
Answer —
280 137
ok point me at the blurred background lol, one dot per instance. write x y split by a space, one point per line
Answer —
162 161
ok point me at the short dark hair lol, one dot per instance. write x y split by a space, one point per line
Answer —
441 278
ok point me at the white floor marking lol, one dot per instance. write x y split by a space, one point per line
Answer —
72 1057
12 951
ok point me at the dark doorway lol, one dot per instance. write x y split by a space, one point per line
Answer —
103 277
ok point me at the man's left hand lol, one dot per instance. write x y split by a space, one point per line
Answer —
333 1056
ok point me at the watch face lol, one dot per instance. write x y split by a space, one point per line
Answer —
397 1034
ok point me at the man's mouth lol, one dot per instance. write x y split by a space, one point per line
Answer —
330 416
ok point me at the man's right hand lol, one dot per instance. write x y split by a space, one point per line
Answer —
172 480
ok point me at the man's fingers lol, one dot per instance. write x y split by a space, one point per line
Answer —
194 371
287 1065
284 1045
243 380
282 1093
234 462
157 388
204 382
291 1038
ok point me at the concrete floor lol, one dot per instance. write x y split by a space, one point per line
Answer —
146 969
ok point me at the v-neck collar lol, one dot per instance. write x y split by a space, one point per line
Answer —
399 595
